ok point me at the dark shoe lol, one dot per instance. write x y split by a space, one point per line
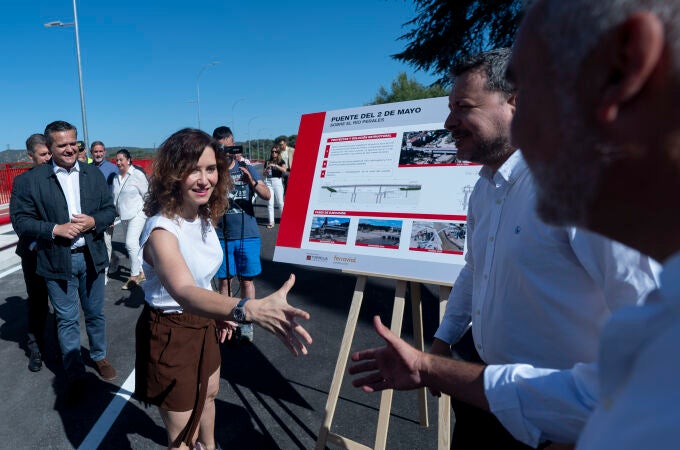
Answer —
35 360
105 370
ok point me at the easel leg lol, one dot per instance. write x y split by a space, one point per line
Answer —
419 343
444 419
386 396
341 364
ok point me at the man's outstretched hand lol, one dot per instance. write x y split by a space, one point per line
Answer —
395 366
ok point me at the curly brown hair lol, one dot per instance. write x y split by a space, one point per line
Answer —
174 160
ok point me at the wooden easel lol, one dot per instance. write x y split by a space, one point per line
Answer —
444 415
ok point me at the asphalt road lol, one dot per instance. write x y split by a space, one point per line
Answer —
268 399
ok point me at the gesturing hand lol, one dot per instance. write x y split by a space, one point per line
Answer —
274 314
395 366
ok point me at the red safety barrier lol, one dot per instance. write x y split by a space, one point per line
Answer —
8 172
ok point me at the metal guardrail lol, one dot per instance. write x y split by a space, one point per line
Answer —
8 172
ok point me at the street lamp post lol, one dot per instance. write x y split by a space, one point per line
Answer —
198 91
80 70
249 122
260 155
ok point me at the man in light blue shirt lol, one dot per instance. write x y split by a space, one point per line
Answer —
109 170
598 125
528 288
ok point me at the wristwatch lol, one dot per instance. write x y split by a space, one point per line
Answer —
239 311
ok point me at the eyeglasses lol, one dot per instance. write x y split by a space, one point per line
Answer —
276 151
81 150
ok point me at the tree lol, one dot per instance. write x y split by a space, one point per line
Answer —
291 140
404 89
444 31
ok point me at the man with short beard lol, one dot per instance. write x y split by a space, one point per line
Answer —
535 294
619 60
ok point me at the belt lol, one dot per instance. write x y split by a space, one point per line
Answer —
80 249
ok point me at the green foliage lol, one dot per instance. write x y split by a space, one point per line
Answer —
290 139
404 89
444 31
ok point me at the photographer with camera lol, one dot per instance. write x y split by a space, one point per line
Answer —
238 231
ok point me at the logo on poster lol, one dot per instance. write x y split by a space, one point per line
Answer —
317 258
344 260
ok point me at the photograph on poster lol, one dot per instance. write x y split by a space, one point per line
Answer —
378 233
330 230
428 147
438 237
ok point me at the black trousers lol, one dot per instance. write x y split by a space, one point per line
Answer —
38 299
475 428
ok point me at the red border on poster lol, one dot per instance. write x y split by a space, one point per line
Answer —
300 180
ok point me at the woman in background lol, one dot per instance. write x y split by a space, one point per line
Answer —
274 168
129 189
177 364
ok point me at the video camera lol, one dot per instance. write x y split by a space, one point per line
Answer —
232 149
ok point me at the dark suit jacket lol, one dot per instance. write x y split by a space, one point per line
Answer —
38 204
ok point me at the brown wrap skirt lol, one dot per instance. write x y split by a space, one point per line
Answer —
176 354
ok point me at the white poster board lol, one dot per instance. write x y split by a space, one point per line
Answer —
378 189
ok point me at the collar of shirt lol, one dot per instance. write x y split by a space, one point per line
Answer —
57 169
511 170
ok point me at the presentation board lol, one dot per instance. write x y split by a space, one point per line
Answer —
378 189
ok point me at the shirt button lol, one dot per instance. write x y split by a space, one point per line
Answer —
607 403
479 346
486 277
477 312
498 201
491 239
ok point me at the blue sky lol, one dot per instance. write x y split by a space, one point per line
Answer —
141 59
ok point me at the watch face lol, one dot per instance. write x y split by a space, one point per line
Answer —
239 314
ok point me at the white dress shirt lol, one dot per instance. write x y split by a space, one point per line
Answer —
69 180
634 389
640 374
536 294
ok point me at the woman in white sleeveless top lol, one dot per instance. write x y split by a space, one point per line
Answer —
178 358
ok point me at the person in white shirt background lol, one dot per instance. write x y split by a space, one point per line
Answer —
274 169
527 287
598 123
129 188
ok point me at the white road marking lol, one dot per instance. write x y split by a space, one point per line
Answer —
10 271
103 425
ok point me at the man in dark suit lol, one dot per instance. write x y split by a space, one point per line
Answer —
66 206
36 289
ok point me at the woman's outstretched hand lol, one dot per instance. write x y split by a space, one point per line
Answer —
274 314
